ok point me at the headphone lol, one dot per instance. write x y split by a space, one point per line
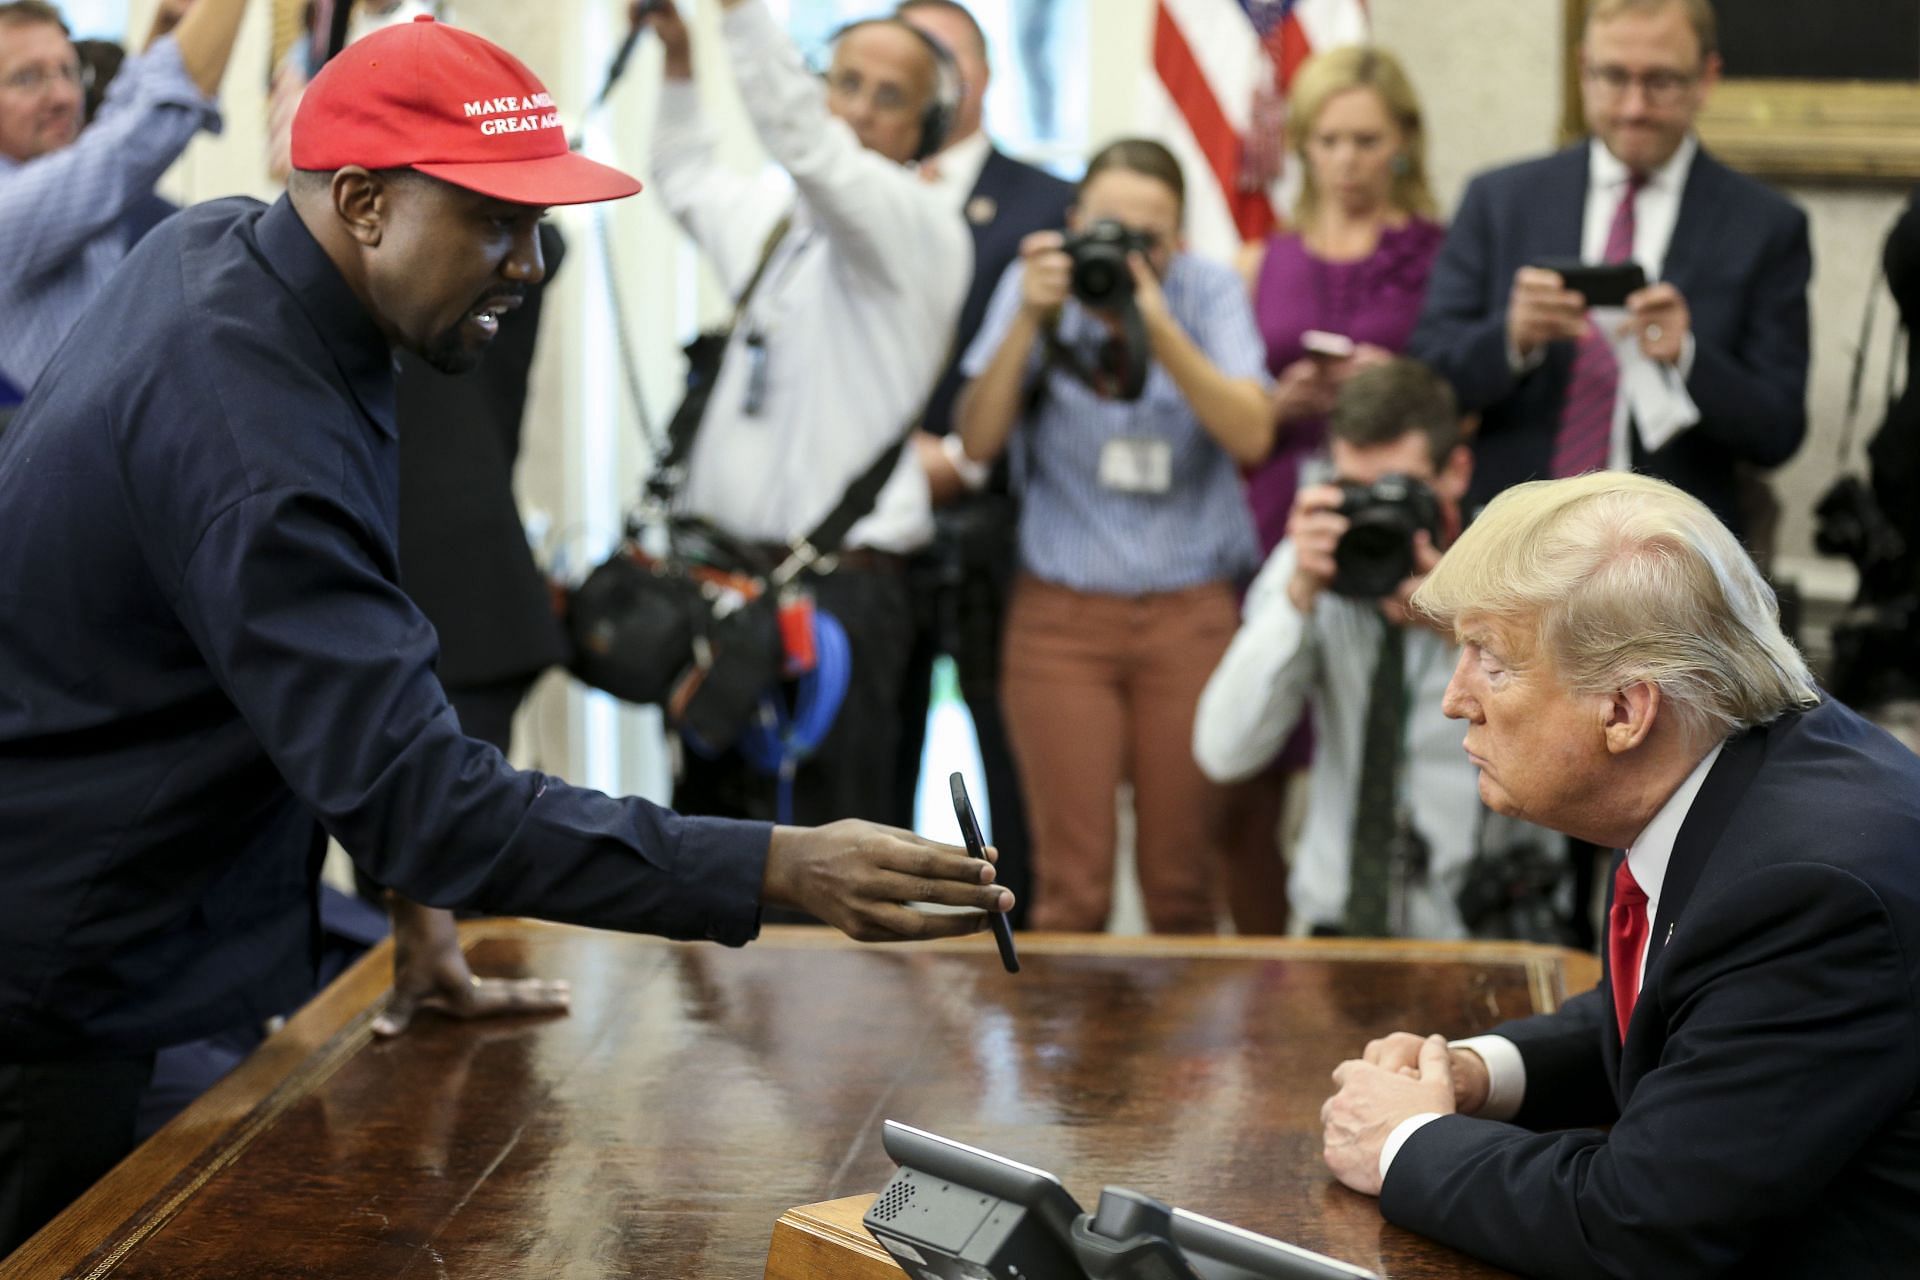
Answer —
937 120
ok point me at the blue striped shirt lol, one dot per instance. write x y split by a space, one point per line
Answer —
61 232
1078 533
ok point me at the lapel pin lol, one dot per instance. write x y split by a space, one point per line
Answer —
981 210
1669 937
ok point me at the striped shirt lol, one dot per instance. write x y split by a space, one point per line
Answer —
60 213
1077 532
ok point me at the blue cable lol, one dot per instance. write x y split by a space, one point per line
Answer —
777 743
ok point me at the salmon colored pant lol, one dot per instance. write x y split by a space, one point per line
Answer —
1100 689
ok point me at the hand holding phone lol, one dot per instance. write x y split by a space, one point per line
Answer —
1602 284
970 833
1326 346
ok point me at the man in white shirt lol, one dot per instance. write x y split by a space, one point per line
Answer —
1722 323
1754 1043
1303 643
845 333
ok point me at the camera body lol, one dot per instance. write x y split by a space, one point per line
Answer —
1375 554
1101 278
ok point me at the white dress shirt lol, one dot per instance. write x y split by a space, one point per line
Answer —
856 309
1655 211
956 170
1280 662
1647 857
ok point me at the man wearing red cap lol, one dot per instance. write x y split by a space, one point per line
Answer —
206 659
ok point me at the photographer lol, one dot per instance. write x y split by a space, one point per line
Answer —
857 271
1394 815
1130 405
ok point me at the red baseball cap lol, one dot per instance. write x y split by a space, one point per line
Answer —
423 95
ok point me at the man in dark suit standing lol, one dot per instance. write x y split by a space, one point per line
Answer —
1755 1038
961 582
1727 314
464 556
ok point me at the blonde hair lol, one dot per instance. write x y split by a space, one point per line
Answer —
1626 579
1359 66
1699 15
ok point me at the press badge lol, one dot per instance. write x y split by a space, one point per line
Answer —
1136 466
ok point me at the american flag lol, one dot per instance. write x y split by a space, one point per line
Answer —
1216 95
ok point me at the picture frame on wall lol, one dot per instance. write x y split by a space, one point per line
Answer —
1827 93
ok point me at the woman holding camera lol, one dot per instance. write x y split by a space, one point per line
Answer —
1337 291
1132 535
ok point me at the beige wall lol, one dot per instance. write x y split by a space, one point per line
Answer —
1487 70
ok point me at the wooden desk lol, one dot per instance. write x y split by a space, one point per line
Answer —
696 1093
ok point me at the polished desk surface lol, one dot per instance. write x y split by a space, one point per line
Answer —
696 1093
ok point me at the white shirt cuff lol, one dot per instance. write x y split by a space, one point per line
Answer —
972 474
1506 1075
1398 1138
1685 363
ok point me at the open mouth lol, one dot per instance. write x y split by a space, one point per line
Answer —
486 316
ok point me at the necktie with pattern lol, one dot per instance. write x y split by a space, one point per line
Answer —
1586 417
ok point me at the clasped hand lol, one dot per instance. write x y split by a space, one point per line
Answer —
1394 1078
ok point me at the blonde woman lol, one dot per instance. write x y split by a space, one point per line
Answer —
1352 271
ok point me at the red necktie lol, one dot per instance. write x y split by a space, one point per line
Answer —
1626 939
1586 416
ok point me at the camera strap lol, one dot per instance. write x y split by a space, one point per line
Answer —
1120 370
709 350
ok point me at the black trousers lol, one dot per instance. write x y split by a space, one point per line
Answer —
1015 868
851 774
63 1125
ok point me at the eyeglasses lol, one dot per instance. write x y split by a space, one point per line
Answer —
29 80
1661 87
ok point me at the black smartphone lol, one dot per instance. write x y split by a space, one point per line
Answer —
970 832
1602 284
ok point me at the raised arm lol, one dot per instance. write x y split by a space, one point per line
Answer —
887 222
55 205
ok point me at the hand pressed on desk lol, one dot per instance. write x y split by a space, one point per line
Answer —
430 972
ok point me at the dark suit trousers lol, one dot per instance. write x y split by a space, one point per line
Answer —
62 1126
1006 804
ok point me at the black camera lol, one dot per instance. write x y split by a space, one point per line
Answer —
1101 277
1375 554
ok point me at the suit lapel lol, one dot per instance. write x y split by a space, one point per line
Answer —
1693 230
1719 798
1563 204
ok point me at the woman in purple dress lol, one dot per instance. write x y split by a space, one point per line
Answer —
1337 290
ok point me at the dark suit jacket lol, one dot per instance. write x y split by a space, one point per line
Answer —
1766 1104
1010 200
1740 256
464 556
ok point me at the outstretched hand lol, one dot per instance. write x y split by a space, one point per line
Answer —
861 878
430 972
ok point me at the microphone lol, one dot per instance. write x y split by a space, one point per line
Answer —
618 67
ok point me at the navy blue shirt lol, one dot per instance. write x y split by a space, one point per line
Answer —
204 648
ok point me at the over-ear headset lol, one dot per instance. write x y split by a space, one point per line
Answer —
937 120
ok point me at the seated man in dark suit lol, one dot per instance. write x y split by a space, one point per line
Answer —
961 581
1755 1039
1727 317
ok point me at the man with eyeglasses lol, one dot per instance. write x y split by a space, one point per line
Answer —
862 268
1725 317
65 196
